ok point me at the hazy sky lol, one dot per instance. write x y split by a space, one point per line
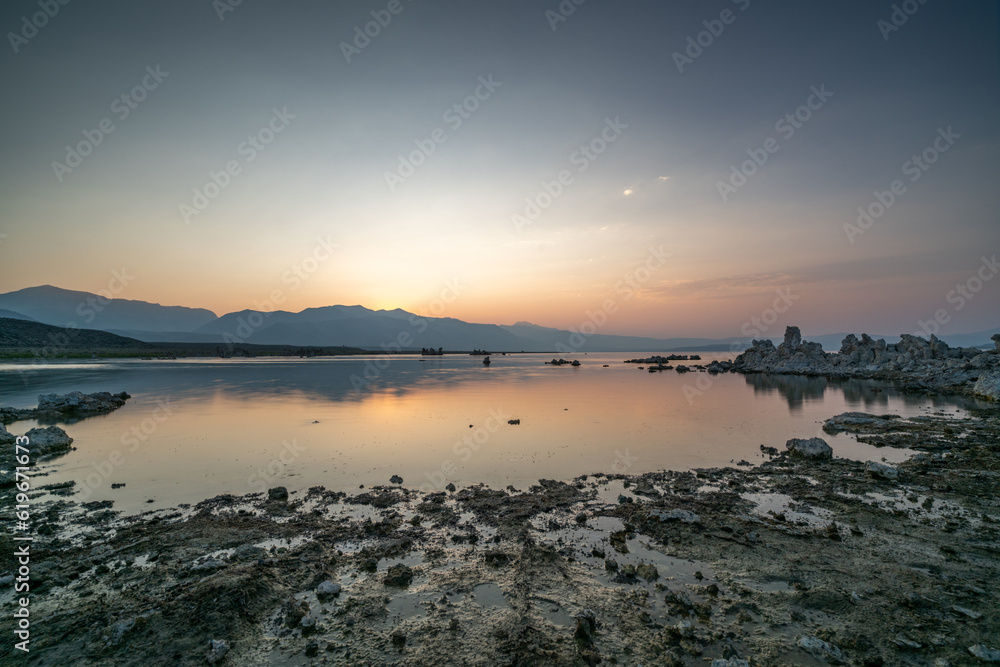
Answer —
402 169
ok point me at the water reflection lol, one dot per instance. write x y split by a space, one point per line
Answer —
861 394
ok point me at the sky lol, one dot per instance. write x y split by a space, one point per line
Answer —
659 169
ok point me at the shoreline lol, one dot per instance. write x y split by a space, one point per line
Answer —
723 563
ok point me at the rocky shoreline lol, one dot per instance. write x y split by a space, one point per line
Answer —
804 559
913 363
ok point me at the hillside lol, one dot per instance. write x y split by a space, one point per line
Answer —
50 340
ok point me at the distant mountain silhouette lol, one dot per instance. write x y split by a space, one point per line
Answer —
62 307
352 326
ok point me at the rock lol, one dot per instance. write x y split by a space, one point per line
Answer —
248 552
820 649
450 487
398 575
327 589
77 403
496 558
586 626
985 653
6 437
732 662
809 448
309 624
217 650
675 515
277 493
47 441
854 421
312 649
881 470
581 517
968 613
905 643
648 572
207 566
685 629
396 479
988 385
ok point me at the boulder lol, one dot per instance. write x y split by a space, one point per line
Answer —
988 386
78 403
809 448
46 441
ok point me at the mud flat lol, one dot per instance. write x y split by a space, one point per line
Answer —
798 560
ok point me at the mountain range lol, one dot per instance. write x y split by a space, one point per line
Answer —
353 326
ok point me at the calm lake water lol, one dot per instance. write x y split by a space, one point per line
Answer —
196 428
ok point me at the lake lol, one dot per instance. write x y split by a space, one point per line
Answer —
196 428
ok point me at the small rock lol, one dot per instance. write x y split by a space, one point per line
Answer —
820 649
985 653
398 575
450 487
327 589
809 448
396 479
685 629
312 649
881 470
732 662
581 518
647 571
206 566
308 623
496 558
277 493
675 515
974 615
217 650
586 626
904 642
